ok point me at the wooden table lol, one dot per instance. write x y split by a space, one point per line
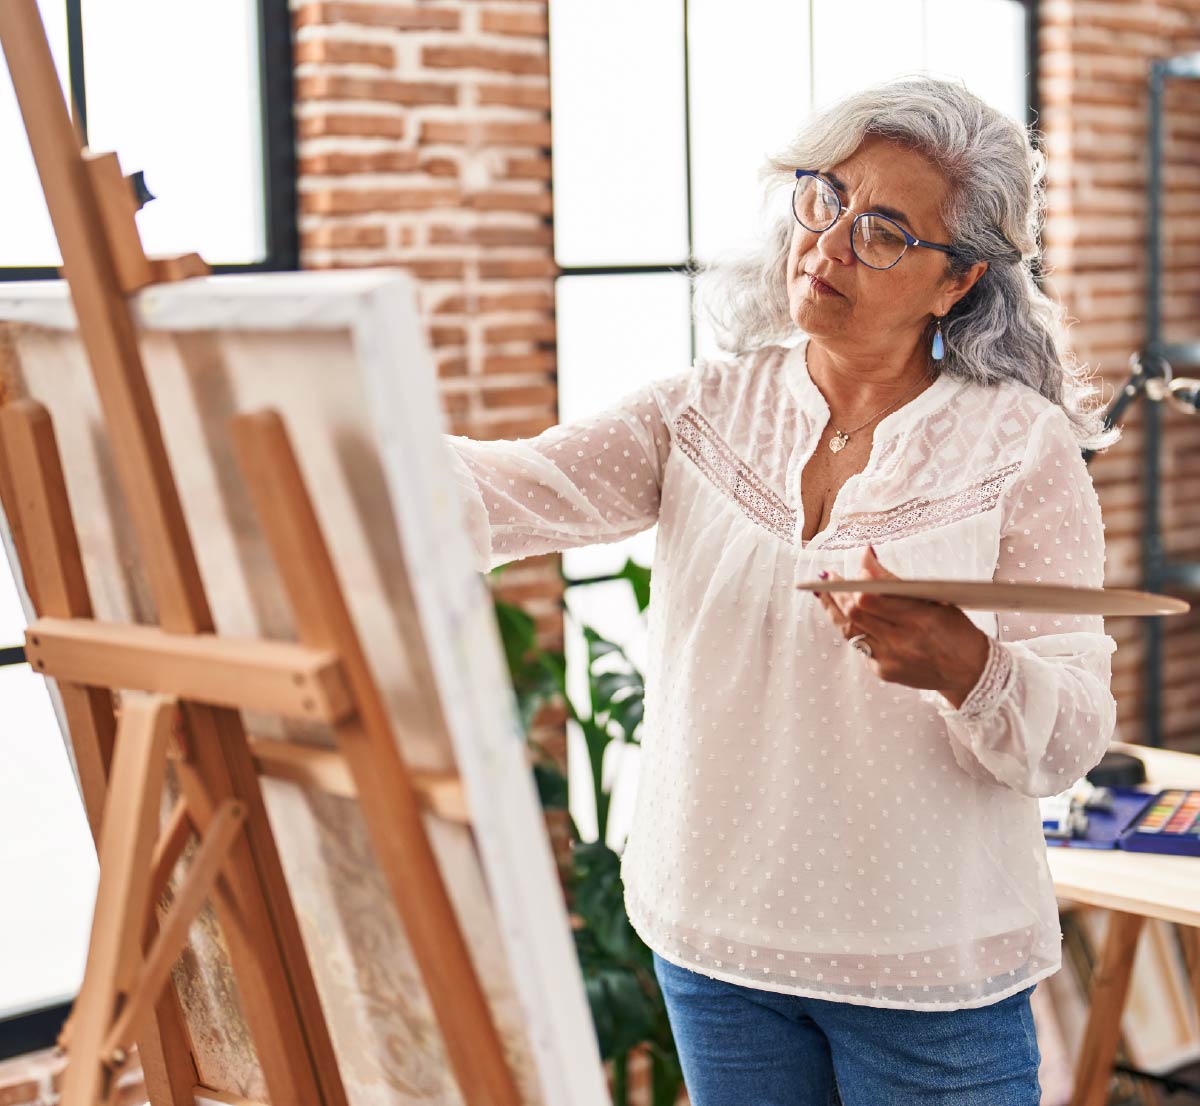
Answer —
1134 886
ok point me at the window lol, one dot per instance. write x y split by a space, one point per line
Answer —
662 115
197 98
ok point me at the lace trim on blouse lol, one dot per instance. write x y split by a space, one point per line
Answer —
755 499
732 475
921 514
992 683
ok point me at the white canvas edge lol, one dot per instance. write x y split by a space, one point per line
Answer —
529 903
378 306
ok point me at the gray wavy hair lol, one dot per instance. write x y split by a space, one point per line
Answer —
1005 327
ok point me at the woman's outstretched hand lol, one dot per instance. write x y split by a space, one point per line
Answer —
916 642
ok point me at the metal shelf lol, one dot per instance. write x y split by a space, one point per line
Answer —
1158 572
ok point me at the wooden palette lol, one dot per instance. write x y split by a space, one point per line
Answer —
985 595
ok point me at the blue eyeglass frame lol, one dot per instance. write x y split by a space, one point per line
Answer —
909 239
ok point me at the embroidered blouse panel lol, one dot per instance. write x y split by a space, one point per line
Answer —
802 826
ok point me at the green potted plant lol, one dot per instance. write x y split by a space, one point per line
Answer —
618 970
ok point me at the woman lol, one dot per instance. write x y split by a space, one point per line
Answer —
836 854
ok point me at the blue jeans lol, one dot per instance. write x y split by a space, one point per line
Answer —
741 1046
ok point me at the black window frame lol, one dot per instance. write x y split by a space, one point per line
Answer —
276 97
38 1027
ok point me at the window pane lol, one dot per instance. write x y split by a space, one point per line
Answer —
173 89
47 860
616 72
857 43
954 32
750 84
26 236
615 333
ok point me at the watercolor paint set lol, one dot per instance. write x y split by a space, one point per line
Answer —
1166 821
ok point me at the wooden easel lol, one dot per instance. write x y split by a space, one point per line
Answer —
180 690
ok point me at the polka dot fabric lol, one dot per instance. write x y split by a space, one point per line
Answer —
802 826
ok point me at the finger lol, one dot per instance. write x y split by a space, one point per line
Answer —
831 608
861 622
840 599
829 603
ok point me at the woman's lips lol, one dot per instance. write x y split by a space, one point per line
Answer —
820 286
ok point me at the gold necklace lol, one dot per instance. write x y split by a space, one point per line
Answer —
840 437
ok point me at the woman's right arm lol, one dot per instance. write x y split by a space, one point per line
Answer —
594 480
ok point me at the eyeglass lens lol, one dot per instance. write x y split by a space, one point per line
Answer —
876 241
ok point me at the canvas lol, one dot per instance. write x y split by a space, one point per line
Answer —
342 358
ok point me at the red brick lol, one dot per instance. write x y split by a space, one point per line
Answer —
440 167
378 161
336 236
412 18
540 331
328 86
537 203
441 235
447 335
330 51
508 301
534 395
541 361
518 268
483 57
506 22
528 168
434 268
458 235
523 592
345 201
512 95
458 132
351 125
452 366
513 236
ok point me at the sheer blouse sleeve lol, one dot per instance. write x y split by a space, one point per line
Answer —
591 481
1042 712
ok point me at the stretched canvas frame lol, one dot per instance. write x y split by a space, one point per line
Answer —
341 357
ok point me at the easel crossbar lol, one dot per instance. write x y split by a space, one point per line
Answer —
277 677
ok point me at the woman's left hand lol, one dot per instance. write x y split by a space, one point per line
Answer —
916 642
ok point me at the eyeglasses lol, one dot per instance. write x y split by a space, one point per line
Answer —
877 241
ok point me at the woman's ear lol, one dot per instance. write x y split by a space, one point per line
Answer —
963 285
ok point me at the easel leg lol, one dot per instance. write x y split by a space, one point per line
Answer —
54 574
1110 984
126 848
98 250
1189 940
382 780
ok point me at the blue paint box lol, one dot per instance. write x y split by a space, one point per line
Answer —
1166 821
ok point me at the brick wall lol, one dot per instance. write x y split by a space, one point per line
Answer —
1093 68
424 138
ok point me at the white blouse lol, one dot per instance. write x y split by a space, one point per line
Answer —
802 826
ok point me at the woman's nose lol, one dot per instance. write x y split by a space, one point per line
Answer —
835 242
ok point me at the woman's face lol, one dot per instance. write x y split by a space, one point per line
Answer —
868 306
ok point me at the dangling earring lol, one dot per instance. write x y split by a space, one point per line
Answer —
939 348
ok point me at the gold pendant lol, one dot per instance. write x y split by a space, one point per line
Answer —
838 441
